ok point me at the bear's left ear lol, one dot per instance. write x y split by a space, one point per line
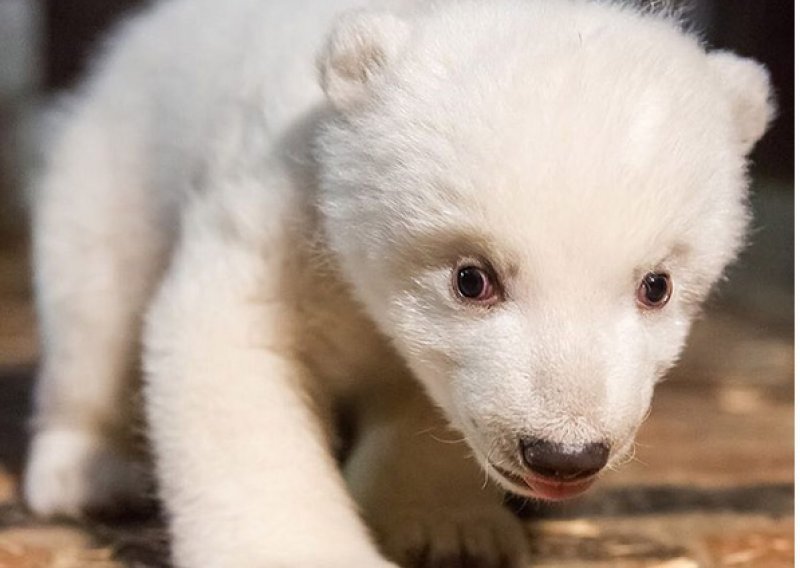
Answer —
747 86
360 47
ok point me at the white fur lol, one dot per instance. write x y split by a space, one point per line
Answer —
294 253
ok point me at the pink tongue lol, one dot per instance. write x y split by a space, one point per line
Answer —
555 491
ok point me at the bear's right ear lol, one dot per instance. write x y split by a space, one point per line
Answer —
747 86
358 50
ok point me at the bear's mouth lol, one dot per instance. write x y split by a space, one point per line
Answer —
536 486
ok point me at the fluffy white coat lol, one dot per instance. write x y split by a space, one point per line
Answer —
293 249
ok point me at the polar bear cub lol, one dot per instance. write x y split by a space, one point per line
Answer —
486 234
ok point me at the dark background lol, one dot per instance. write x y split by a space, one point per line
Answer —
760 29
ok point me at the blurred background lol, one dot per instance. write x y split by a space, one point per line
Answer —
712 484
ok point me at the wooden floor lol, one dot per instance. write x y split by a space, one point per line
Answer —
711 485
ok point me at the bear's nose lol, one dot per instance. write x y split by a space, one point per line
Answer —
563 462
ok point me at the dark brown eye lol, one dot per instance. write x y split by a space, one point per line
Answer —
475 284
654 290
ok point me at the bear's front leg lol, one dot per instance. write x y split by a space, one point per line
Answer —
422 491
242 456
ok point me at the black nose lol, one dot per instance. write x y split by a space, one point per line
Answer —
563 462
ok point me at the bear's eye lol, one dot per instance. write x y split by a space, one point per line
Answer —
654 291
475 284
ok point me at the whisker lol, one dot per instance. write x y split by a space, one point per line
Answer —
486 467
429 432
634 457
443 441
631 457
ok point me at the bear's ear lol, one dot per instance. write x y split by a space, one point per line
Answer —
360 47
748 89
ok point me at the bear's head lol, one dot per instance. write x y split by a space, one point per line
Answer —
532 199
